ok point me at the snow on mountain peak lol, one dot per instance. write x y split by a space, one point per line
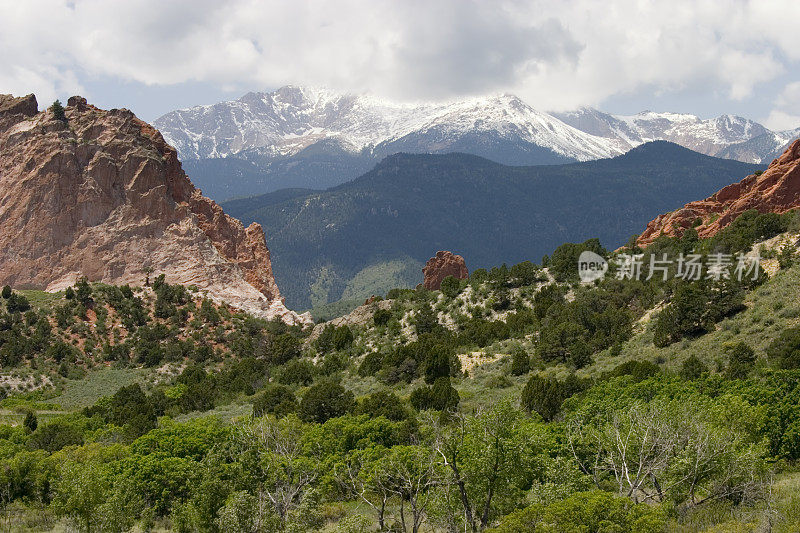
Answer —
283 122
293 117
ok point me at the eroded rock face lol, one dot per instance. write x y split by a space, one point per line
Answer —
440 266
777 190
104 196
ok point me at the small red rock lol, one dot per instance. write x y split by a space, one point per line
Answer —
440 266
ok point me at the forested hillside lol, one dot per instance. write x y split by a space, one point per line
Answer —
374 233
518 400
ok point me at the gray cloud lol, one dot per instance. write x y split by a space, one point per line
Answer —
556 55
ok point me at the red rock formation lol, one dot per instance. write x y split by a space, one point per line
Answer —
103 195
777 190
440 266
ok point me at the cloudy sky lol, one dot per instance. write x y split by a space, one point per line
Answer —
702 57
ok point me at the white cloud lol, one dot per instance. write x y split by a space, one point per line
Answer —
556 55
786 114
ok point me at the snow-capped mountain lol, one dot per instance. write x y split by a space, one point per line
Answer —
286 121
709 136
316 138
761 149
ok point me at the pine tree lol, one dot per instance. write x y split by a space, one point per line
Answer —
58 111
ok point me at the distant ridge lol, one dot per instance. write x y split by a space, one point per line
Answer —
332 243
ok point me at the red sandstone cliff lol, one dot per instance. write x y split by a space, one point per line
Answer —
104 196
777 190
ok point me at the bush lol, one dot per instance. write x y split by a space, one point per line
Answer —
785 350
437 364
692 368
334 338
17 303
747 229
371 364
55 435
451 286
382 317
343 338
520 362
384 403
30 422
283 348
275 399
545 395
638 370
586 511
426 320
741 359
324 400
298 371
563 263
441 396
6 292
695 308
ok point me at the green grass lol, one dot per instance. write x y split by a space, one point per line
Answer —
105 382
227 413
42 299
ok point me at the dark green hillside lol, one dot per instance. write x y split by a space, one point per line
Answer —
410 206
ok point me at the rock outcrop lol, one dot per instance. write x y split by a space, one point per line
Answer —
440 266
777 190
102 195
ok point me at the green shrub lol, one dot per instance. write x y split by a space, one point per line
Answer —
638 370
371 364
741 359
31 422
283 348
383 403
441 396
300 371
324 400
520 362
382 317
563 263
17 303
334 338
274 399
545 395
695 308
586 511
437 363
55 435
785 350
451 286
692 368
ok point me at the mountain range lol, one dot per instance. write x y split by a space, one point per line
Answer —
374 233
316 138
